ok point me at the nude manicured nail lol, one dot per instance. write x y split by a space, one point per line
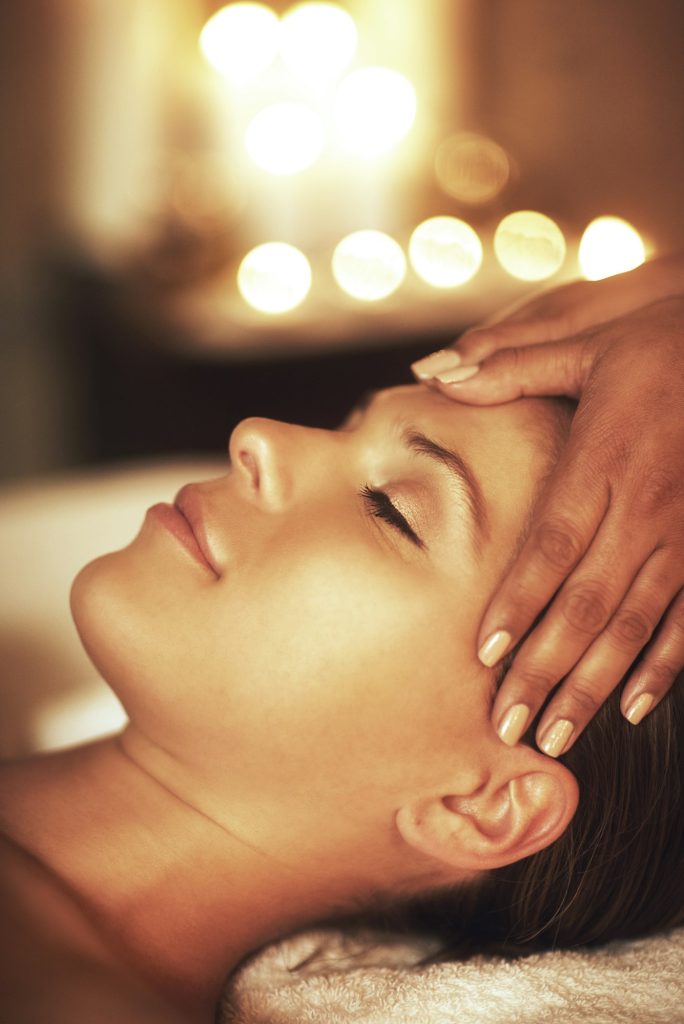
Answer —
639 708
457 375
556 737
494 648
437 362
513 724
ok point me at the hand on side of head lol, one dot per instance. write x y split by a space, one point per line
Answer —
604 561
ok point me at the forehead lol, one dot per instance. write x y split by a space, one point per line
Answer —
528 426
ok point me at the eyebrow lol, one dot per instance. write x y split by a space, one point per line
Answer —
421 444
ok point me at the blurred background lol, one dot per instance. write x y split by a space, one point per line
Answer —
155 149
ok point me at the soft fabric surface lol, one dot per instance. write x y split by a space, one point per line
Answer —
367 979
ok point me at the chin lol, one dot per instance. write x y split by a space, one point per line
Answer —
102 612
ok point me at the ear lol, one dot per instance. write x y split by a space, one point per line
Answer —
524 805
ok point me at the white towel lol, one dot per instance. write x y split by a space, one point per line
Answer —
364 978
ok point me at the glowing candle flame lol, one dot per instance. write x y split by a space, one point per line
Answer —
241 40
529 245
318 41
374 110
274 277
369 265
445 252
610 245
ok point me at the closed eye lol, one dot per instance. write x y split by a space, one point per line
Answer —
379 504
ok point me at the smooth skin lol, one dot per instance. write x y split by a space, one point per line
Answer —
604 562
309 724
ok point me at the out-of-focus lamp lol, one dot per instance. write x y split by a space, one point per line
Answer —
472 168
369 265
445 252
610 245
374 110
529 245
241 40
274 277
285 138
318 41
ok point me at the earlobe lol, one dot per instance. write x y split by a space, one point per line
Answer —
507 819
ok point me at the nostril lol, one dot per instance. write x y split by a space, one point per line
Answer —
250 464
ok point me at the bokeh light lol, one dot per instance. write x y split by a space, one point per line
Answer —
610 245
285 138
374 110
369 265
472 168
274 278
445 251
318 41
529 245
241 40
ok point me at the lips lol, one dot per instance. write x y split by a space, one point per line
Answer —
188 503
184 520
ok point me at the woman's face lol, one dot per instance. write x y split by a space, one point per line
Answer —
333 648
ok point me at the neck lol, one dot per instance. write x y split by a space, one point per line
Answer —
177 897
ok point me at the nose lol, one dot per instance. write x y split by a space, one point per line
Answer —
262 453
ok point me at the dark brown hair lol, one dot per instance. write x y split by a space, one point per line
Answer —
617 872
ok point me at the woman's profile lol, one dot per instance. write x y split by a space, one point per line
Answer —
309 737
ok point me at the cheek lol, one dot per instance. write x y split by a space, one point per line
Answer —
340 661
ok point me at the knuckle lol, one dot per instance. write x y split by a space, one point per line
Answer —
657 489
585 608
661 675
584 697
631 628
560 543
536 682
505 359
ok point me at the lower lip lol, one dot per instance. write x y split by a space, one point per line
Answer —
171 519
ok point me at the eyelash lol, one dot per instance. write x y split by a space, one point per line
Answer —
380 505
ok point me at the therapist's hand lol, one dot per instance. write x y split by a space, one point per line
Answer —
604 559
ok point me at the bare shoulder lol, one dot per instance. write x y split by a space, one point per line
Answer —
52 971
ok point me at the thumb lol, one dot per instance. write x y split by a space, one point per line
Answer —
555 368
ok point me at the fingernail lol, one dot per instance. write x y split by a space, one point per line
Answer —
513 724
494 647
437 362
556 737
639 708
457 375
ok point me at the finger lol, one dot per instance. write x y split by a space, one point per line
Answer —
660 667
609 657
560 368
551 316
565 524
588 603
480 342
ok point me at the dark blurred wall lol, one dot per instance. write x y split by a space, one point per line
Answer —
589 97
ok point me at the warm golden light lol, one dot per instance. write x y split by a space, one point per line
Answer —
529 245
445 252
374 110
610 245
369 265
472 168
318 41
285 138
274 278
241 40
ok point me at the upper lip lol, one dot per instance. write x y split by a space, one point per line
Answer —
189 504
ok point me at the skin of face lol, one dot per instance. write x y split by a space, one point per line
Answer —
329 671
